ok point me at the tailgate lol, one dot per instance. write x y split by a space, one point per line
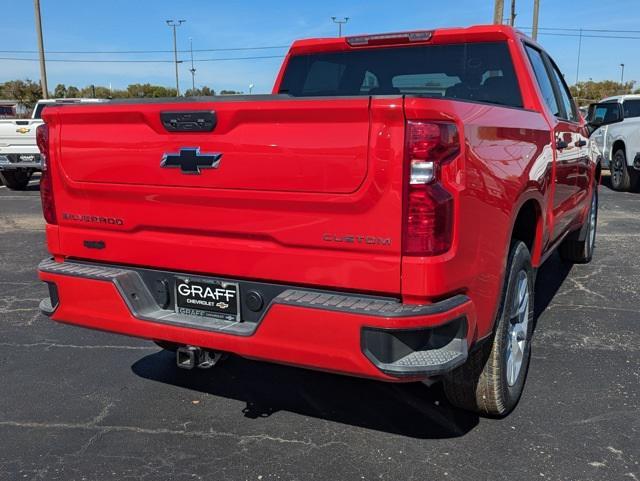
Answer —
288 190
16 133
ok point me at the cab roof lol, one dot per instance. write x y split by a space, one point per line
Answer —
476 33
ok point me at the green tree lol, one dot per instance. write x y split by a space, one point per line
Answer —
25 92
148 90
203 92
60 91
590 91
73 92
230 92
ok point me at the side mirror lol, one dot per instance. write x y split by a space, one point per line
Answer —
604 114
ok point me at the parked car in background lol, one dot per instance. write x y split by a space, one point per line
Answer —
618 144
382 214
19 154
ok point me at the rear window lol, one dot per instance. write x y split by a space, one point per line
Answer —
481 72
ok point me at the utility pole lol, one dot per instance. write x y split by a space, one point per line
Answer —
174 24
498 12
340 22
192 69
622 76
579 51
43 67
512 18
536 14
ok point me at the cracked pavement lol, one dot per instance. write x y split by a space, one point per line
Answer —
83 405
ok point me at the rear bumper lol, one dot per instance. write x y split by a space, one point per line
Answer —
23 160
338 332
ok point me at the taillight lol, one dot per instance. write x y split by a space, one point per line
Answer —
46 186
428 218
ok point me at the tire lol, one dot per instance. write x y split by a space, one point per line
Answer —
623 177
491 381
16 179
578 251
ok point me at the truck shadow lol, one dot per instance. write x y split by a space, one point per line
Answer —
412 410
549 279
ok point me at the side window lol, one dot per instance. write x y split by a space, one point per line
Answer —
631 108
544 82
565 95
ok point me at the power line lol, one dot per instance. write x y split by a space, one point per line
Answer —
126 52
271 47
238 58
140 61
589 30
585 35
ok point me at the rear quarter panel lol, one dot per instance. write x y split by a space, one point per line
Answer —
505 161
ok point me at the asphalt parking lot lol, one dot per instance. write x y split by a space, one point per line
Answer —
77 404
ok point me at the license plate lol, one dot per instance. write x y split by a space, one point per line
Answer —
28 158
208 298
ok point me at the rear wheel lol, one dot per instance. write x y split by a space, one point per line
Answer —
623 177
16 179
492 380
579 251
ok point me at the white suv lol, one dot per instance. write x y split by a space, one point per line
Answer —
618 144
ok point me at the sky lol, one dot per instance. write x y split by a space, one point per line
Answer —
125 25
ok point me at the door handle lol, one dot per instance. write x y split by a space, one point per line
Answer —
561 144
581 143
189 121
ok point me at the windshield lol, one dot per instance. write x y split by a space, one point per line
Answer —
480 72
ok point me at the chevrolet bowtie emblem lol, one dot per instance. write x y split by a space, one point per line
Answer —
190 160
23 130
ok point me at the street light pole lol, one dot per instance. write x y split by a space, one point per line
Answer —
579 52
43 67
622 74
340 22
174 24
192 69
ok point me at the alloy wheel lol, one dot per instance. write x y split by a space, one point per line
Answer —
518 328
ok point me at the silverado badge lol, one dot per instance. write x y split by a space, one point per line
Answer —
190 160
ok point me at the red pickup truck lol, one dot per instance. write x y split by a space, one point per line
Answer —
382 214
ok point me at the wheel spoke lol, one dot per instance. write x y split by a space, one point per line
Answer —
518 328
